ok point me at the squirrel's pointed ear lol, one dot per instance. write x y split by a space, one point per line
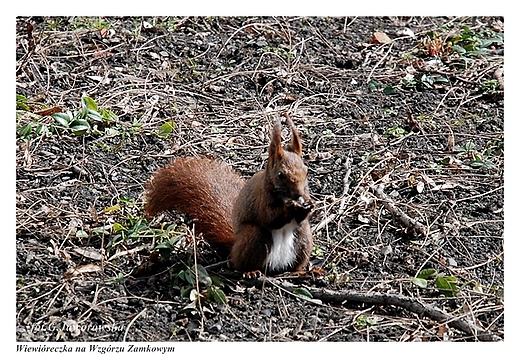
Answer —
275 147
296 145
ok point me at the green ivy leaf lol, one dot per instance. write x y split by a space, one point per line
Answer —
63 118
81 234
421 282
25 130
373 85
108 115
459 49
215 294
302 292
164 245
166 128
447 285
216 281
185 291
427 273
89 103
21 103
94 115
388 90
79 126
204 277
189 276
118 227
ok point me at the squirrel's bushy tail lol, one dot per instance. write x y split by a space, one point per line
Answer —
204 189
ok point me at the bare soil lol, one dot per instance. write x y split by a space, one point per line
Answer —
403 138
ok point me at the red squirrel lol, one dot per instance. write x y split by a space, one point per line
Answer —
263 222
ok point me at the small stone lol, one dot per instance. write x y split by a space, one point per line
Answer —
215 328
387 250
451 262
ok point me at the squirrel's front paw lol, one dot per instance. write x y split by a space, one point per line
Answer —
308 204
300 208
300 204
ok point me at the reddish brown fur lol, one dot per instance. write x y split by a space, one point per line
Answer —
204 189
237 214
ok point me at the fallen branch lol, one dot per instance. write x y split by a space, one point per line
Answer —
407 221
385 299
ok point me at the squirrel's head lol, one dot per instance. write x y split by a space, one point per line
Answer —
285 170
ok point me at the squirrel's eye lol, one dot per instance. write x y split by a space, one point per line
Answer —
281 175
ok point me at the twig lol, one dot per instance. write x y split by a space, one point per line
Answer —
478 195
379 62
197 279
386 299
132 322
345 25
217 265
398 213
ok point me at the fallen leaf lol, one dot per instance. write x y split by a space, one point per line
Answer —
93 213
427 179
442 330
89 252
380 38
48 111
75 271
111 208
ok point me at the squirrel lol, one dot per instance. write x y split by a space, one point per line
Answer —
262 222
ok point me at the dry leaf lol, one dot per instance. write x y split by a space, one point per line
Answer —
89 252
111 208
75 271
380 38
427 179
442 330
93 213
414 126
48 111
133 251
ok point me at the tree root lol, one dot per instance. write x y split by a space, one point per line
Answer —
385 299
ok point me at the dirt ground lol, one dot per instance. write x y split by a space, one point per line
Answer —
402 123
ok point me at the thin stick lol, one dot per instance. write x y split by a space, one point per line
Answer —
379 62
479 195
197 279
398 213
132 322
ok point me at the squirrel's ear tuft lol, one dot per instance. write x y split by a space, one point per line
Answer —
296 145
275 147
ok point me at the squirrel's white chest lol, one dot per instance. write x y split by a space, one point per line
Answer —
282 253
